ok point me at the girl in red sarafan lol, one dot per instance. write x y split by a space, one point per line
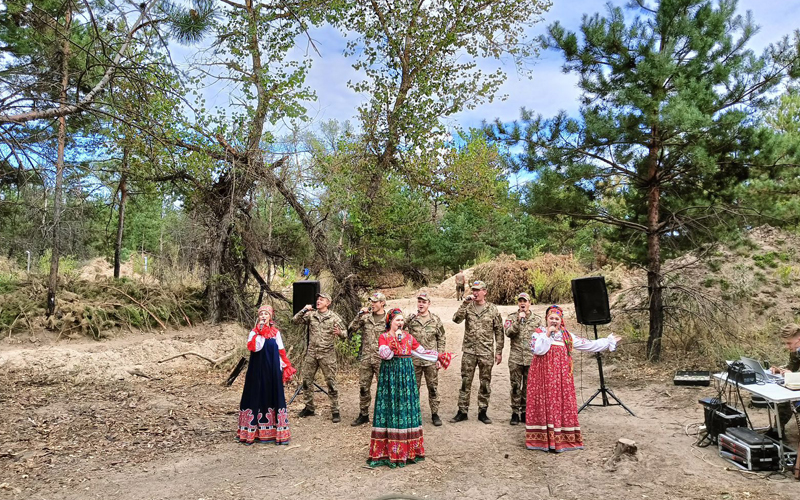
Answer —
396 438
551 416
262 410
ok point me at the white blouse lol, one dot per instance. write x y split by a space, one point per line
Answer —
540 342
260 343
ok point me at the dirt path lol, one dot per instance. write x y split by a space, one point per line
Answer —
126 437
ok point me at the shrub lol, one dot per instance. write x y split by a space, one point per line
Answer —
546 278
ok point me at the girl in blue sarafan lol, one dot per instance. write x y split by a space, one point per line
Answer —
262 411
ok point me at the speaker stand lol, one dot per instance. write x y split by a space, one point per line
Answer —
603 391
300 387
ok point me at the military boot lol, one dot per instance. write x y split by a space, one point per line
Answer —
335 418
436 420
362 419
483 417
306 412
514 419
460 417
522 417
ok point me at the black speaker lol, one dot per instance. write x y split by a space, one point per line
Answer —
591 300
303 293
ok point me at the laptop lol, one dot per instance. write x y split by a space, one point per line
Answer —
761 374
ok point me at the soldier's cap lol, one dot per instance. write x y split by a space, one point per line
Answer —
523 296
423 296
478 285
324 296
377 297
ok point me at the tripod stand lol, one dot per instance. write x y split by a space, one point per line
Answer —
604 391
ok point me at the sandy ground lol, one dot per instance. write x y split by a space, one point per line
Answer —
76 423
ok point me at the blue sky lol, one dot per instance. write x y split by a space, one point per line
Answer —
547 92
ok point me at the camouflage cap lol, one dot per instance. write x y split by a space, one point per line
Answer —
523 296
478 285
423 296
377 297
324 296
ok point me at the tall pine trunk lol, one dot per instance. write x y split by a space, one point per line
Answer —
52 283
654 285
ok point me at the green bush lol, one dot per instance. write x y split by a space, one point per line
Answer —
768 259
66 263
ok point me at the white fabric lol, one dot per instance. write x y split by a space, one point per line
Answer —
425 354
541 343
385 352
259 340
260 343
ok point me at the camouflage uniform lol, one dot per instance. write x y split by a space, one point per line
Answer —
320 353
429 331
785 409
519 358
369 361
483 332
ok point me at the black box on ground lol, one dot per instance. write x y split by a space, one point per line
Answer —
749 450
720 416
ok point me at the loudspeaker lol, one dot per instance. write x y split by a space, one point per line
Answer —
304 292
591 300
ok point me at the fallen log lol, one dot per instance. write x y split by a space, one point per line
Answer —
214 362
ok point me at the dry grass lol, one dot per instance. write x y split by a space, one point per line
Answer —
546 278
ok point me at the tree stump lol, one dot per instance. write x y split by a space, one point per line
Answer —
625 447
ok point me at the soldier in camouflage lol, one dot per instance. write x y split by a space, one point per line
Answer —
324 326
483 347
790 335
519 328
428 329
371 321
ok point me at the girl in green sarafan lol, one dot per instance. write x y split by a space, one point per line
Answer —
397 423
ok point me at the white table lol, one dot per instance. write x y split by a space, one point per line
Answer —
773 393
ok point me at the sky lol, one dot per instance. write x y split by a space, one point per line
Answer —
549 90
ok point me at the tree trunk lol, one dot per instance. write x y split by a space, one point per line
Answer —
654 286
52 283
123 198
215 269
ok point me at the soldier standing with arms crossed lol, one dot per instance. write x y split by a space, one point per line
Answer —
428 329
483 347
371 321
519 328
324 326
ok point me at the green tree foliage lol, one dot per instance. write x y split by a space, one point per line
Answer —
420 63
773 188
665 128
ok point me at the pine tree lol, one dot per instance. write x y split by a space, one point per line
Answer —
665 127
